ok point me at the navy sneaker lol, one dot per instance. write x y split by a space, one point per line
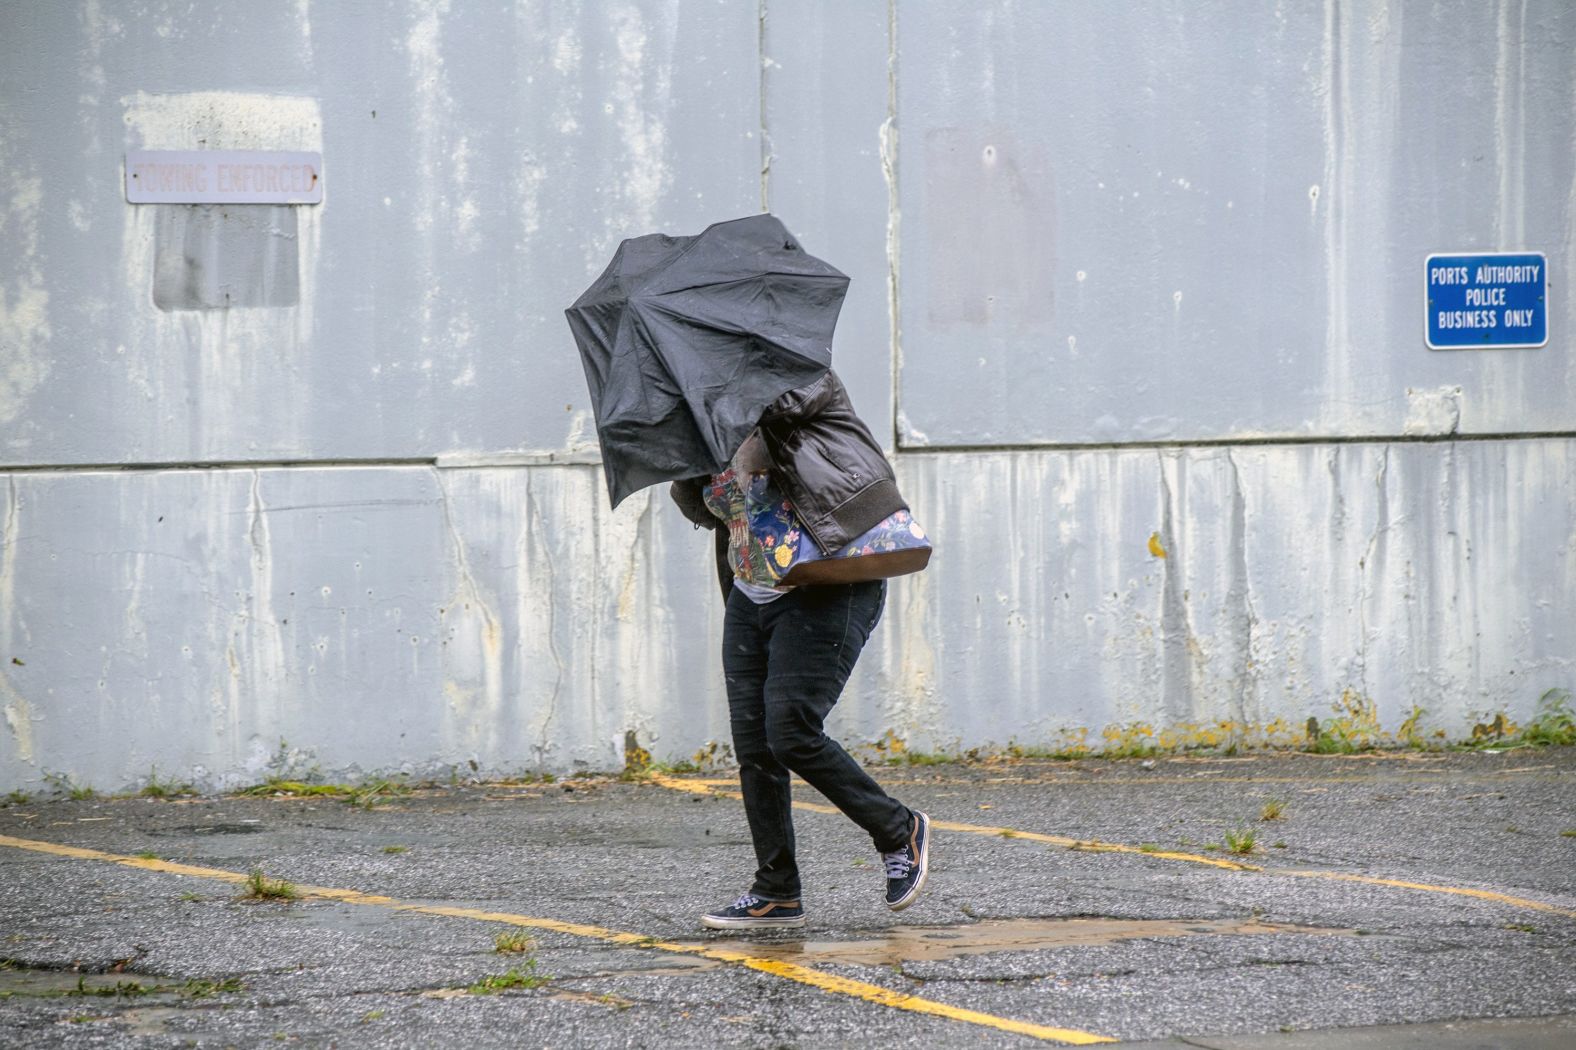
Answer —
906 868
749 912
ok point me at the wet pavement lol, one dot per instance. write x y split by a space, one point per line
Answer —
1393 900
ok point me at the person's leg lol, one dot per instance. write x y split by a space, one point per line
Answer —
815 637
762 779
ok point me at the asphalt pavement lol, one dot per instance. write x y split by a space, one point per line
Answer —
1281 901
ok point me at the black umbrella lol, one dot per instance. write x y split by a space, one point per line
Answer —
687 340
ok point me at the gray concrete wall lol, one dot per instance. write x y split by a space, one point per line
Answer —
1136 301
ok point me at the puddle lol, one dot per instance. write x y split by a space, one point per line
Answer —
91 987
927 943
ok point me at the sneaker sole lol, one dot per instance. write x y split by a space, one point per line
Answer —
717 923
924 873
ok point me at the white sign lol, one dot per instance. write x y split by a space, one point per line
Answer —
212 176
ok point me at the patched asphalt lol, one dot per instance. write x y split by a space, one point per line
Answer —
1413 899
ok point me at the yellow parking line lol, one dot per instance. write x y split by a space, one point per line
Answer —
1089 845
787 971
676 784
1464 891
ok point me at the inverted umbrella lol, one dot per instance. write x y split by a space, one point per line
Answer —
687 340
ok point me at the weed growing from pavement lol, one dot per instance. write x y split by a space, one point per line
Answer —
147 854
372 793
506 943
1521 927
201 989
923 758
65 788
522 976
126 989
1241 840
529 778
1273 809
260 887
372 1015
18 798
1278 845
280 787
1135 749
1569 833
171 788
1553 724
396 849
1148 847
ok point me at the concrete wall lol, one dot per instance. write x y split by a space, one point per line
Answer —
1136 303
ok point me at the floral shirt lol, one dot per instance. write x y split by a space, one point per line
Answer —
764 536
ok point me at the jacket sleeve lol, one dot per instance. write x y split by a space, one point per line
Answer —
807 402
686 494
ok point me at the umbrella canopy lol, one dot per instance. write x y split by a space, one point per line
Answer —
687 340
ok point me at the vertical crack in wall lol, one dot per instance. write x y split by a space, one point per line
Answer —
1239 600
468 601
538 527
888 136
8 544
1371 568
633 640
18 712
259 630
1176 640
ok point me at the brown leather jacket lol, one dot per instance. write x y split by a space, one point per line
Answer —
827 463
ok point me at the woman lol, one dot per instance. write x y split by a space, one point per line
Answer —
788 651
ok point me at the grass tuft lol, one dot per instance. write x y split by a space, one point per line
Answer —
260 887
1274 809
514 941
280 787
1553 725
171 788
365 796
200 989
120 989
1241 841
522 976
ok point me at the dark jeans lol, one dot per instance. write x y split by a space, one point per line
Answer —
786 663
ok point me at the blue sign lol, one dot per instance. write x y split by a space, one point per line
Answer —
1493 300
